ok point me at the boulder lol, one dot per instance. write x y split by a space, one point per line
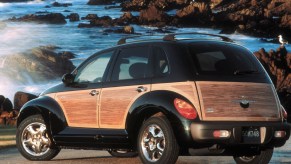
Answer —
6 105
73 17
135 5
104 21
100 2
67 55
194 9
124 30
35 66
57 4
286 21
20 98
53 18
152 14
278 65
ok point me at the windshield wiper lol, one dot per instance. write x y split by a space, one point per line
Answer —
239 72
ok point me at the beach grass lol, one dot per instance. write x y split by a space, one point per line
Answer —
7 136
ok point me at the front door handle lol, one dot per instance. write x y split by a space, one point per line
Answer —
94 92
141 89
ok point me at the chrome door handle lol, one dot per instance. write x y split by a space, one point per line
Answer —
94 92
141 89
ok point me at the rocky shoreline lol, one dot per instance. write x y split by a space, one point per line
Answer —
265 18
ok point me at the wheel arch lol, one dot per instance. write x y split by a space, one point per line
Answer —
49 109
159 103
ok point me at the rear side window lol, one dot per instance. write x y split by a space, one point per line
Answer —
131 63
222 59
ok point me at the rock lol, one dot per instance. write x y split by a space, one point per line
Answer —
152 14
57 4
6 105
128 30
35 66
2 98
126 16
90 17
20 98
286 21
278 65
67 55
73 17
100 2
104 21
125 30
134 5
53 18
194 9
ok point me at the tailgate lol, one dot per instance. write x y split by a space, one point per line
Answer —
238 101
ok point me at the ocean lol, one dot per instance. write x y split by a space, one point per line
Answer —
17 37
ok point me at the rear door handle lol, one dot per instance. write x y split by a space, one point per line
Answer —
141 89
94 92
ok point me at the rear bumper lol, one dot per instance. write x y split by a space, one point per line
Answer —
203 132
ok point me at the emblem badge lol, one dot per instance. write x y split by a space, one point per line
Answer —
244 102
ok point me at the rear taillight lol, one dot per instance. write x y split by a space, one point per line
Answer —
284 113
185 109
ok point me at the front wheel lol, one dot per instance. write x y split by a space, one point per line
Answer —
263 158
157 142
33 141
122 153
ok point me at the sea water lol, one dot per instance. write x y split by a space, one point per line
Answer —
18 37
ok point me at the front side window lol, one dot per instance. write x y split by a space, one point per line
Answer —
132 63
93 72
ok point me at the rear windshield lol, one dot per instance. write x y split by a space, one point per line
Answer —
223 59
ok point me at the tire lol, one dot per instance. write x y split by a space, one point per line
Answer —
263 158
33 140
156 142
122 153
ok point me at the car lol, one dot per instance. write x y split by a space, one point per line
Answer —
158 99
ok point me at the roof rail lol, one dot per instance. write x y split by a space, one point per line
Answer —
171 37
123 40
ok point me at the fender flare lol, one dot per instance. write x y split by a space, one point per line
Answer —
49 109
156 102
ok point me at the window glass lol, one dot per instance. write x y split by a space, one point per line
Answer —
161 62
94 71
132 63
222 59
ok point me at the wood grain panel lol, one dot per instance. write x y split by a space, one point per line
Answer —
221 101
187 89
115 103
80 108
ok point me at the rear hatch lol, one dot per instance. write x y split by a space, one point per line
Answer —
231 84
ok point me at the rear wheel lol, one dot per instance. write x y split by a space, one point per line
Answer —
157 142
263 158
122 153
33 141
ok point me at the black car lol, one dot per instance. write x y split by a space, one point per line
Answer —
157 99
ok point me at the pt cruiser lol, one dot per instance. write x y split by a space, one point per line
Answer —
157 99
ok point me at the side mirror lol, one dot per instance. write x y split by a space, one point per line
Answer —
68 79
